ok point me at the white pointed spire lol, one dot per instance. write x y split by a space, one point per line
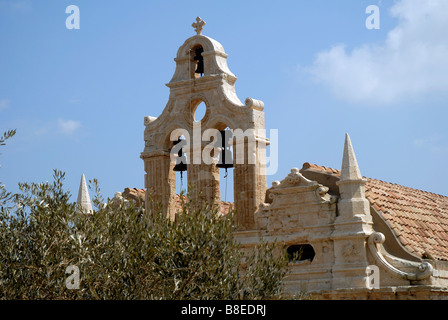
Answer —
83 197
350 169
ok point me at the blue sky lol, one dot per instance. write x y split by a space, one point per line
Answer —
78 97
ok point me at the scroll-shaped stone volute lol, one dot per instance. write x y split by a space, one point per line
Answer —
322 194
423 269
293 179
254 104
148 120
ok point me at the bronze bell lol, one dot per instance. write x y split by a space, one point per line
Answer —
200 59
225 157
181 160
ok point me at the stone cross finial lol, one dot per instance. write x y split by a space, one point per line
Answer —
198 25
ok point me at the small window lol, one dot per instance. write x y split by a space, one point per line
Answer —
199 61
200 111
300 252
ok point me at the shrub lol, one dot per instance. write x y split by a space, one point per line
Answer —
123 252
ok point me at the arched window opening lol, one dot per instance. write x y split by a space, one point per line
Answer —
198 61
300 252
225 163
180 166
226 186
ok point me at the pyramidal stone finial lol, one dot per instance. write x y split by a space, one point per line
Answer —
350 169
83 197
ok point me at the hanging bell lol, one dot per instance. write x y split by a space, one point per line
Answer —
225 160
200 59
181 160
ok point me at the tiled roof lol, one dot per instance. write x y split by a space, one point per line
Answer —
139 196
418 218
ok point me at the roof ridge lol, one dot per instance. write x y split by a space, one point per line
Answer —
308 165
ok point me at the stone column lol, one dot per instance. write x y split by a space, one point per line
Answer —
160 183
249 178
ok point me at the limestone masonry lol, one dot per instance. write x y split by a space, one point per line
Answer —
356 238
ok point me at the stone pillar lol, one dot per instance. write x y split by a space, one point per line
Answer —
352 226
249 178
160 184
203 183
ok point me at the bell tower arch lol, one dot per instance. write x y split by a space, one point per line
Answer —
202 76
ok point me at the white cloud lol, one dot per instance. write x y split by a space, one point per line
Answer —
68 126
410 63
16 5
4 104
434 143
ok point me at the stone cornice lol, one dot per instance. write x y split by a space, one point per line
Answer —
212 81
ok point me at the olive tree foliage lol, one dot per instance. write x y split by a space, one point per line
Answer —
4 195
123 252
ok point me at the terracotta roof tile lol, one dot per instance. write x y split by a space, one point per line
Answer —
419 218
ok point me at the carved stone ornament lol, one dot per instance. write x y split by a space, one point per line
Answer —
294 179
349 250
422 270
322 194
198 25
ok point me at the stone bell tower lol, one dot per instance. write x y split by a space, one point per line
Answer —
202 75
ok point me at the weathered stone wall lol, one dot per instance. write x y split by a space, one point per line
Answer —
348 249
301 212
